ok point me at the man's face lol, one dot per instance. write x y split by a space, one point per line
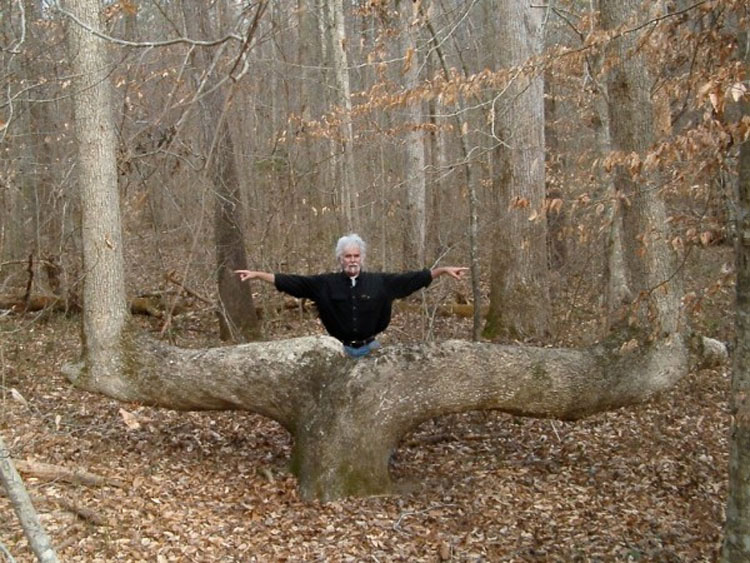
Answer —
351 261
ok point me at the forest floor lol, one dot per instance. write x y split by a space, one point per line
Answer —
646 483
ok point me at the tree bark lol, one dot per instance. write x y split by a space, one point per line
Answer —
348 416
238 321
657 291
519 290
414 171
349 197
105 310
736 545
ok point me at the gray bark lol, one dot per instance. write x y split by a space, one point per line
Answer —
649 259
349 195
238 321
736 546
105 310
347 416
519 288
414 171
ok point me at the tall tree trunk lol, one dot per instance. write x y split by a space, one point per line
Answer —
15 218
617 292
736 546
105 312
44 124
312 100
414 171
519 292
238 320
348 190
648 257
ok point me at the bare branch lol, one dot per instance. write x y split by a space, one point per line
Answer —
38 539
149 44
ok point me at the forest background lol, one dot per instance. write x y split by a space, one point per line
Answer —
443 132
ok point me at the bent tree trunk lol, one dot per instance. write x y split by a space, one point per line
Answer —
347 416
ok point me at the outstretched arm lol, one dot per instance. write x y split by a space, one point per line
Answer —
456 272
267 277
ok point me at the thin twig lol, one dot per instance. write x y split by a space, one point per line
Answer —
147 44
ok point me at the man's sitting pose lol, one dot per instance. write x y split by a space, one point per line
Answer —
354 305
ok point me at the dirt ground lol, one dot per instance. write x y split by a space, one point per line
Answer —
640 484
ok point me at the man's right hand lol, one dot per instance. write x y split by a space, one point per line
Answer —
255 275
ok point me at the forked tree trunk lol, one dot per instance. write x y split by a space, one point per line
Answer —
347 417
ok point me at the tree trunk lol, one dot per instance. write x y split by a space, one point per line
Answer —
736 546
414 171
105 310
311 101
238 321
648 257
519 293
348 191
347 416
617 292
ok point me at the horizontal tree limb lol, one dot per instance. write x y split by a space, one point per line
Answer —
274 378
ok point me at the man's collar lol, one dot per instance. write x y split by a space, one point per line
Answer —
352 280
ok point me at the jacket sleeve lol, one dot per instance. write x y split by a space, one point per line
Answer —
404 284
302 287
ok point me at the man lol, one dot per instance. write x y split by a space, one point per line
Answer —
354 305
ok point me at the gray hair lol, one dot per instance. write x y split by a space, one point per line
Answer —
351 240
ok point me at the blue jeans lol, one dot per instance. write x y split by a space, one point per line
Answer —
362 350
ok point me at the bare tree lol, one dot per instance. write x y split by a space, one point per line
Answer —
470 182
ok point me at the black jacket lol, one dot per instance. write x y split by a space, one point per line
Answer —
357 312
